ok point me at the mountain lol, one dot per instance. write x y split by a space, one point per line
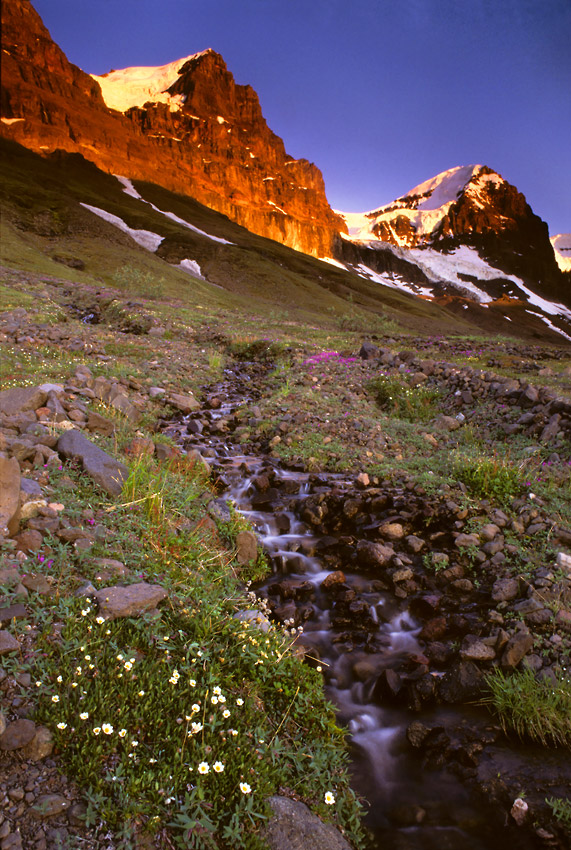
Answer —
465 240
465 233
186 126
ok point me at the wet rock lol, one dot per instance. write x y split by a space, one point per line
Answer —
105 470
10 482
519 811
8 642
246 546
433 629
516 648
333 580
115 602
17 735
463 682
373 554
293 827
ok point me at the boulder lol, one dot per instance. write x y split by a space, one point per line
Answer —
115 602
516 648
8 642
10 482
184 403
293 827
463 682
373 554
17 735
105 470
21 400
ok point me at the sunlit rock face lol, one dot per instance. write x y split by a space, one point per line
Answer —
186 126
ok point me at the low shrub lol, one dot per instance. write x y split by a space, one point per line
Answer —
396 398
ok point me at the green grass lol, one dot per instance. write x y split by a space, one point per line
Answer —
398 399
537 709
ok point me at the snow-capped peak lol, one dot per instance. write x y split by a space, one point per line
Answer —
138 85
562 248
414 217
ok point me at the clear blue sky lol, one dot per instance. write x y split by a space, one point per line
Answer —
380 94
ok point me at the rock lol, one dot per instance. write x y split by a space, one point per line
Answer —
447 423
105 470
37 584
10 482
139 447
164 451
126 407
21 400
517 646
333 580
505 589
563 620
417 733
100 424
194 458
368 351
156 392
362 480
48 805
185 403
474 649
8 642
108 569
115 602
293 827
463 682
41 746
415 544
17 735
519 811
391 531
29 540
255 618
373 554
464 540
29 487
13 612
247 547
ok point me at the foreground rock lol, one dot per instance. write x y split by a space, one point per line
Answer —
105 470
294 827
115 602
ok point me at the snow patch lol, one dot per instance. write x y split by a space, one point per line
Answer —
145 238
10 121
394 281
562 248
192 267
136 86
333 262
129 189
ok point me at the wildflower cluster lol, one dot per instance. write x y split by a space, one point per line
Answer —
154 717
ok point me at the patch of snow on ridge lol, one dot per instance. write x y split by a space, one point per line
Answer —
562 248
393 281
136 86
190 266
333 262
12 120
129 189
145 238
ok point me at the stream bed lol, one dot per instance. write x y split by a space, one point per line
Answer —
365 637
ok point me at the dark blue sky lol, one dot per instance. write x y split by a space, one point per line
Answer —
380 94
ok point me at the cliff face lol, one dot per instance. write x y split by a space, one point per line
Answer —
213 144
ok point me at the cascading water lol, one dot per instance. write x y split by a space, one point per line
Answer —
408 808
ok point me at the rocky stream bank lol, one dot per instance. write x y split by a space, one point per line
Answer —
406 598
